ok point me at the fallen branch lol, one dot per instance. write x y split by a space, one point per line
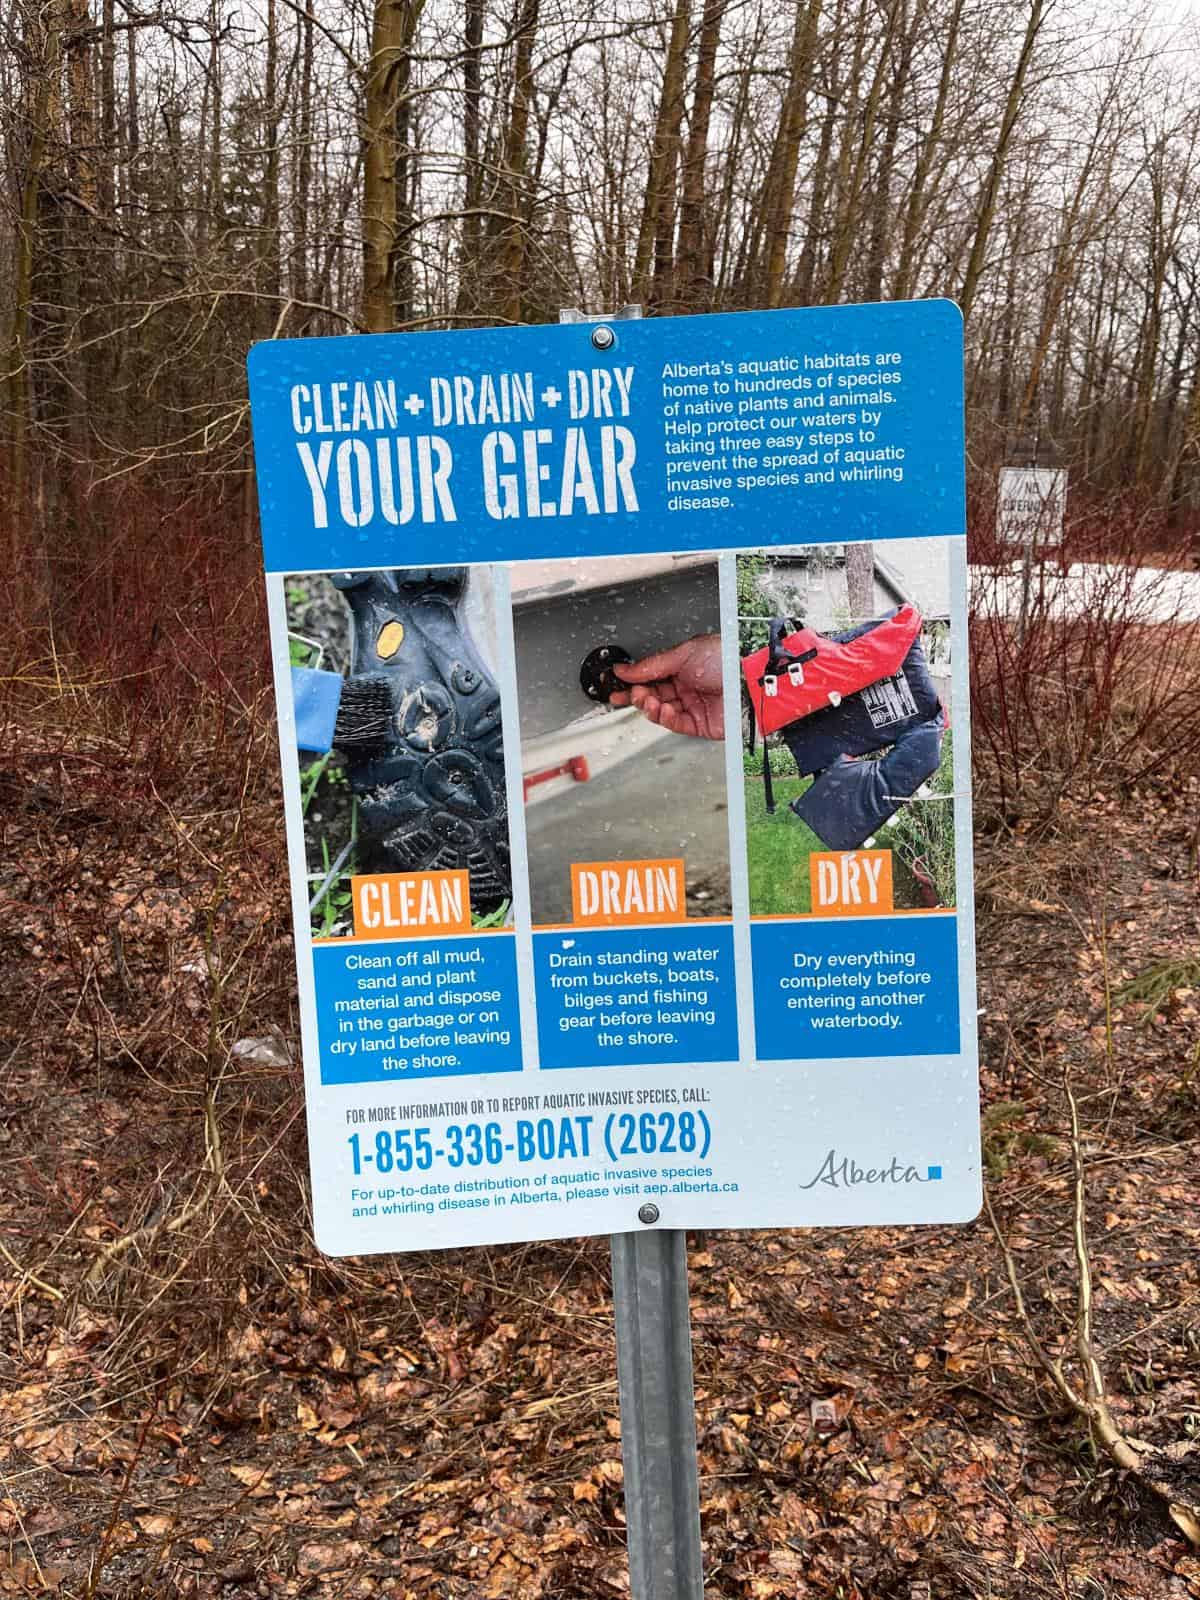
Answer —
29 1276
1171 1472
212 1178
161 1223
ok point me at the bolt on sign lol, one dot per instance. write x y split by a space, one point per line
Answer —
621 673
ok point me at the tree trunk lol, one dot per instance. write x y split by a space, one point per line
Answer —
301 219
695 285
652 245
1007 342
882 211
404 185
1074 236
108 108
130 184
729 269
212 212
392 30
991 188
780 193
914 211
515 199
45 51
810 252
469 264
1186 460
1165 240
850 212
860 582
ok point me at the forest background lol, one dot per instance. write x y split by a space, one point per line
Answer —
194 1402
181 181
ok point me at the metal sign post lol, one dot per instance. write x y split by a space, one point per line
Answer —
658 1415
654 1376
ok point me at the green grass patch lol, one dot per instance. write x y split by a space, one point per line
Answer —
777 850
924 836
783 763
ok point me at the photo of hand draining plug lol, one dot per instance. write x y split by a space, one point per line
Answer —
679 689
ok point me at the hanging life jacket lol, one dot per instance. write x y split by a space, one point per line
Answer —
842 694
877 716
801 672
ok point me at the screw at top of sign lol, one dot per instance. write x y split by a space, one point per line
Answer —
648 1212
603 338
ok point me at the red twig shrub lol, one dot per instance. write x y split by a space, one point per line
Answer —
136 632
136 645
1085 665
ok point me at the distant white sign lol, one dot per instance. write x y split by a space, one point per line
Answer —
1030 506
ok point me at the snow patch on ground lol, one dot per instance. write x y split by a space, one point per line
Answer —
1145 594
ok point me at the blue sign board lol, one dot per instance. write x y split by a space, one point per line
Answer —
508 444
568 942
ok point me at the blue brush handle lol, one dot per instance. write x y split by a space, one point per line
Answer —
315 697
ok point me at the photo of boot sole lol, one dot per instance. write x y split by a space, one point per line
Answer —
419 730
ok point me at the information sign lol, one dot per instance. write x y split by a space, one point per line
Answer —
1030 505
575 957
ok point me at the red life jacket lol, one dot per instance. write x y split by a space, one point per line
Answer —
810 672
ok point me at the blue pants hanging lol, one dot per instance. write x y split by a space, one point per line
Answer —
847 802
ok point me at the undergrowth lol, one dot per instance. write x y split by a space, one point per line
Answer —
150 889
1085 667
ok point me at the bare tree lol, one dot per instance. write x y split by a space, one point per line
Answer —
181 182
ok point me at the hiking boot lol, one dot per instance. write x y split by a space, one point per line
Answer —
419 729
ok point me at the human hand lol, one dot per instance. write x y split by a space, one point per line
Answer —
679 689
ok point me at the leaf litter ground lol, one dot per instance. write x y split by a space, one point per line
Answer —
196 1404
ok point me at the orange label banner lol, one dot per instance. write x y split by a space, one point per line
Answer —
397 905
614 894
850 883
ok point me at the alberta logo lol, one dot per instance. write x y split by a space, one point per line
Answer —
843 1172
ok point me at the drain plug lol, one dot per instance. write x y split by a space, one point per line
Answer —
596 676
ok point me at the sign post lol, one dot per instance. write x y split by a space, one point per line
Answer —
1030 505
642 898
658 1415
